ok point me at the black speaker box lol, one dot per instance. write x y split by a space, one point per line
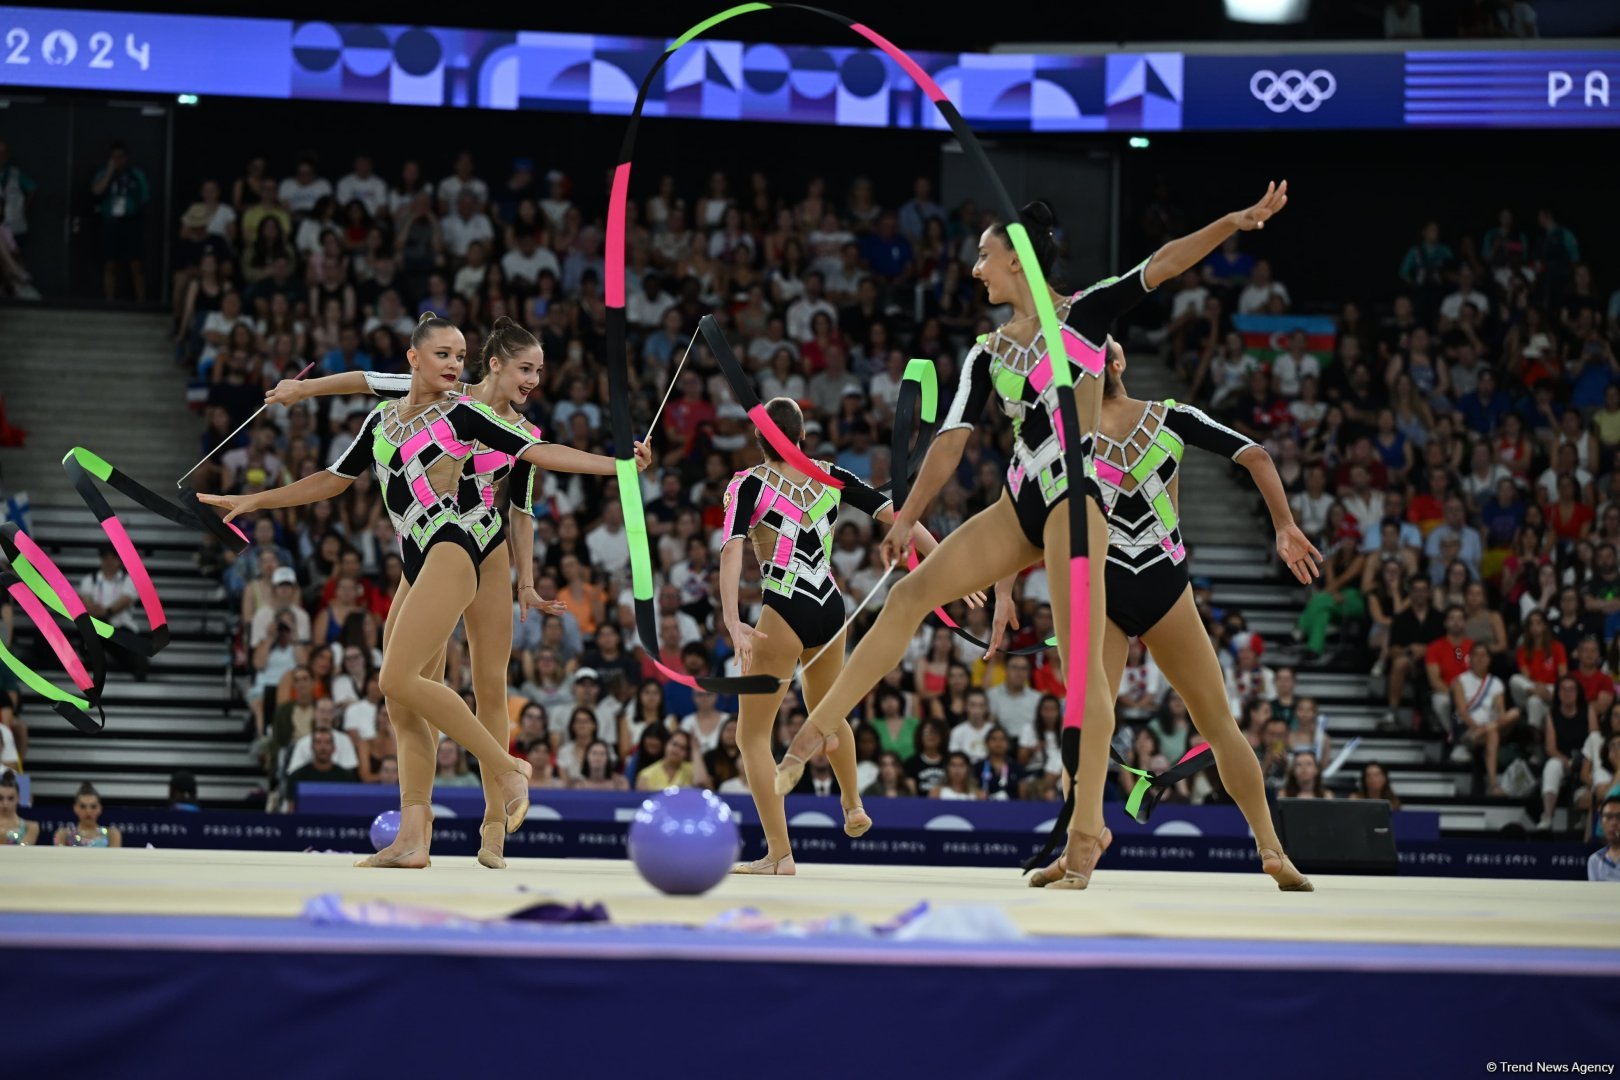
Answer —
1338 836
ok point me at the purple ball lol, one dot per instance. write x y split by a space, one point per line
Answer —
384 828
684 840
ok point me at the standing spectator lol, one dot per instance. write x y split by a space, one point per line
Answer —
1604 865
16 196
1446 659
122 193
466 226
1569 723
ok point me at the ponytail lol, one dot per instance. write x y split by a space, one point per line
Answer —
507 339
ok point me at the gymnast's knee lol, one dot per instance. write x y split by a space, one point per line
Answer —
395 679
907 600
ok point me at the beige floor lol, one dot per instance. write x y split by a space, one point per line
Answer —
1135 903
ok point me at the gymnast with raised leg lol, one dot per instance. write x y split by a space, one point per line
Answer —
789 519
1021 527
1138 457
504 379
419 446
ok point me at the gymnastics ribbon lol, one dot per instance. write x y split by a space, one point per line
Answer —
1062 377
40 588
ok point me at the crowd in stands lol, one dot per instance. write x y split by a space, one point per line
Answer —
1451 451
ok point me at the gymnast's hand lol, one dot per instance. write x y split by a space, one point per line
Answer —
1256 216
1296 553
232 504
643 456
529 597
1005 618
742 639
897 544
287 392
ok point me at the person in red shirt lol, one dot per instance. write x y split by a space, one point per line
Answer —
1446 659
1597 684
349 566
1542 662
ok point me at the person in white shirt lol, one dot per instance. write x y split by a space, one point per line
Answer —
1311 506
364 185
609 549
1256 295
109 593
469 280
527 259
762 350
1479 699
1293 365
1141 685
969 736
300 192
460 182
669 606
466 225
644 309
1452 305
283 607
801 313
1013 702
557 204
344 753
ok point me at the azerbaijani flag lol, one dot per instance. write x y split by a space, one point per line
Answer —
1267 335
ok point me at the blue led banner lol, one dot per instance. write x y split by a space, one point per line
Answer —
804 84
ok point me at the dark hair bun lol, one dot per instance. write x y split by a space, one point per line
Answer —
505 322
1038 215
427 316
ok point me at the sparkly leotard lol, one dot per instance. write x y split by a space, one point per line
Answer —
1021 376
791 524
490 467
1147 561
427 502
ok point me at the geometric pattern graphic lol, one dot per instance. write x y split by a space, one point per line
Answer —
731 80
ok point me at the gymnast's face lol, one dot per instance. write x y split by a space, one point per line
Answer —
518 377
997 267
438 362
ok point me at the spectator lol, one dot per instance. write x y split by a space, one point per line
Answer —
596 769
1571 721
1257 295
969 736
363 186
1447 658
677 768
925 766
89 831
1595 682
122 193
1541 663
1480 704
1604 863
109 595
1305 778
300 192
1374 784
891 782
1141 686
1336 597
450 767
958 781
345 753
322 769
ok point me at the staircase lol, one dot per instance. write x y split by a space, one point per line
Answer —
106 381
1229 535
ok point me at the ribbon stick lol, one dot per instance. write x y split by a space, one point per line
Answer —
226 441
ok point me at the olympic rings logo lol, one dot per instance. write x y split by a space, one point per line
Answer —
1292 89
